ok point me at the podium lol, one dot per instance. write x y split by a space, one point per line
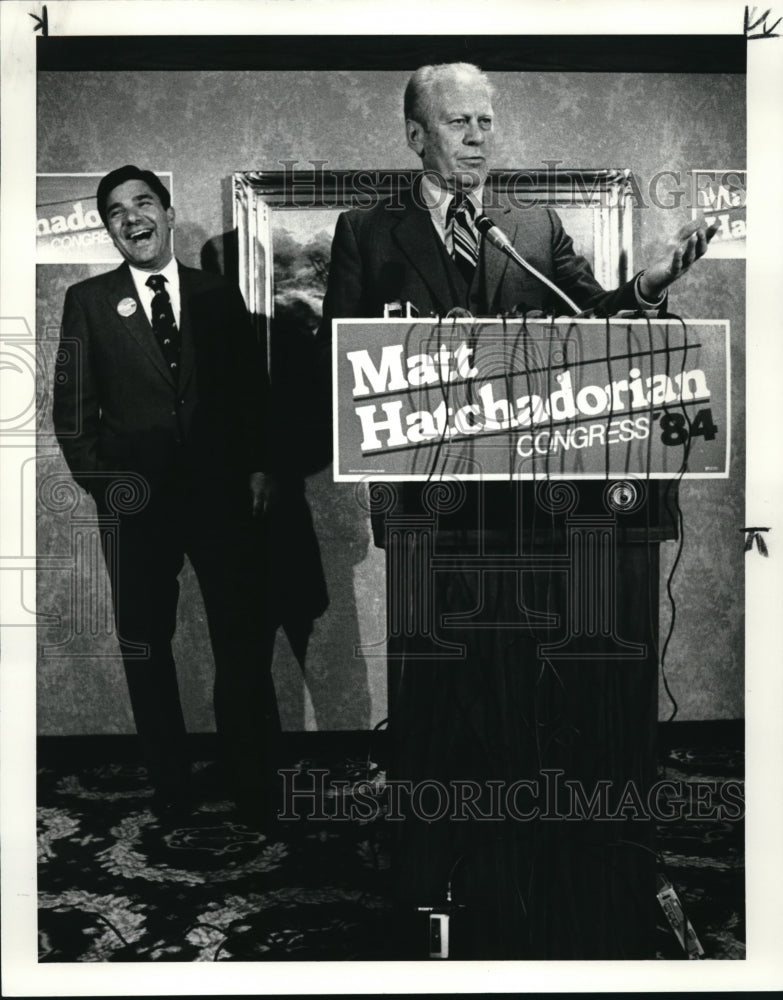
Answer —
522 550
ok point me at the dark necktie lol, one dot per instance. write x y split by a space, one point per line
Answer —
459 216
163 325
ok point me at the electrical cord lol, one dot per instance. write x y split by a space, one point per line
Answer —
100 916
679 519
462 709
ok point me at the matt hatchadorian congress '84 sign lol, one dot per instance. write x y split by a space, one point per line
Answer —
488 399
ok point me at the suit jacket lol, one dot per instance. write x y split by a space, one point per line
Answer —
387 254
116 406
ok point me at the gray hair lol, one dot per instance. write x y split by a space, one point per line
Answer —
418 93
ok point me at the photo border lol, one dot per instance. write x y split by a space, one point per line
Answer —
764 625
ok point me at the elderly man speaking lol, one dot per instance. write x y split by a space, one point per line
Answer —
502 714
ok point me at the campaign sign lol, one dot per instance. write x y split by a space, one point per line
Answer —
68 226
720 198
493 399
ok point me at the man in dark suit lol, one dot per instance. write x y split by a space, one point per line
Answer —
160 409
407 253
500 713
416 250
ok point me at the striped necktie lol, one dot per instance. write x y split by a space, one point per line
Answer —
460 215
163 324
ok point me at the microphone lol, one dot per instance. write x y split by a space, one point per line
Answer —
498 238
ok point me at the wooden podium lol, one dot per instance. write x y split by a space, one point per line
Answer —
522 613
537 661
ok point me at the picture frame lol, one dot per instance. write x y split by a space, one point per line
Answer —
285 221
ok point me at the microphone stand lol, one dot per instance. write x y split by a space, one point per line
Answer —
498 238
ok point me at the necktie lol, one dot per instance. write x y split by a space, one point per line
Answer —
163 325
459 216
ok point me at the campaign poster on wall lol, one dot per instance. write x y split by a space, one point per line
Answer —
720 196
68 226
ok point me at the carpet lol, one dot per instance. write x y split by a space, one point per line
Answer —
118 884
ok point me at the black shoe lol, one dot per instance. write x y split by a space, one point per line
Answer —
257 812
172 807
209 783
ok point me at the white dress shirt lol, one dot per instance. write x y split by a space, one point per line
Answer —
437 199
171 273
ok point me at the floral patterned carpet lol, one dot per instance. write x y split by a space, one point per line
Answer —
118 884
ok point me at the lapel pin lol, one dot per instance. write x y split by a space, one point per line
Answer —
126 307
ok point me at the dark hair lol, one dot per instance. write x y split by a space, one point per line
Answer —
130 173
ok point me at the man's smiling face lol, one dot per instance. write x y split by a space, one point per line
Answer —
139 225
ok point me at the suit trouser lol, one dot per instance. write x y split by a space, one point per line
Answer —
208 519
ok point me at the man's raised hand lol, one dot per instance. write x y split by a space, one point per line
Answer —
688 245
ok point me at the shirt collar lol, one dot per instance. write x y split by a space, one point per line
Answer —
437 199
170 272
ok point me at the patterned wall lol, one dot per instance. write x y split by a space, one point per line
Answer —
203 126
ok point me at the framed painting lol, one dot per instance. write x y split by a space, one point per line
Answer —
285 221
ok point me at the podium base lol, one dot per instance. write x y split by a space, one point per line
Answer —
528 775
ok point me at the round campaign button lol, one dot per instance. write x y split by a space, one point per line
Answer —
127 307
